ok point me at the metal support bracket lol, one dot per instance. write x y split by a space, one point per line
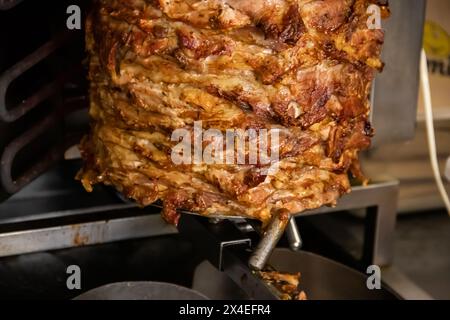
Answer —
223 245
293 235
380 201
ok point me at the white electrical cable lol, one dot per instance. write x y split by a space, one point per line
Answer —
430 129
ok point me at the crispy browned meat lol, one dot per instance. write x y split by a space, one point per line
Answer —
286 283
303 67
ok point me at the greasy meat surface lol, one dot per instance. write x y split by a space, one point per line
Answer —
286 283
301 67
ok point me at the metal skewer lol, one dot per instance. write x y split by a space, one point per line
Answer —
293 235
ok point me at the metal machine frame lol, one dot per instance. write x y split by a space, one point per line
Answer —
379 198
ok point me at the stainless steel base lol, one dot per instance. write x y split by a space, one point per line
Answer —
380 202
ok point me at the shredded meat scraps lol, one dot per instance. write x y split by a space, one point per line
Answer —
286 283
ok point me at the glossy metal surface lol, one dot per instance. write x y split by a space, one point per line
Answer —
293 235
324 279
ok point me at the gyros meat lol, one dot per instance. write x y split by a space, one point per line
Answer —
229 107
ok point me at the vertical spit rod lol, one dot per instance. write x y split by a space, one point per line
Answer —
268 241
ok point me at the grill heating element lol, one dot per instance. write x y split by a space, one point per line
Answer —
32 130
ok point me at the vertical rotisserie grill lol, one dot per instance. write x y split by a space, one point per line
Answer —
49 216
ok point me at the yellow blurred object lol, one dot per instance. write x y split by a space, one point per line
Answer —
436 40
